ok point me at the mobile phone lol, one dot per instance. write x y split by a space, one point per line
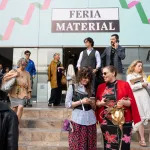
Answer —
92 98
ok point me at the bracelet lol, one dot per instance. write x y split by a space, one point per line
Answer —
81 101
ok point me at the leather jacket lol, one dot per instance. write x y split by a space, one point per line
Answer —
8 128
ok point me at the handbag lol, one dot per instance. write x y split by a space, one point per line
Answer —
136 80
8 85
67 126
63 80
117 115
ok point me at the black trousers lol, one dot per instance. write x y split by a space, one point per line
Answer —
113 136
55 96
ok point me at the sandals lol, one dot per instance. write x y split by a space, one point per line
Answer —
142 143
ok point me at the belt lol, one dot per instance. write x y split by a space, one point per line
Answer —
86 107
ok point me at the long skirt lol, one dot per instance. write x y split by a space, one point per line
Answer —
114 137
83 137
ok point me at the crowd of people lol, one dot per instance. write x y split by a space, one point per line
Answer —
118 106
17 85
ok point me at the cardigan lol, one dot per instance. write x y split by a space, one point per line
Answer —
52 73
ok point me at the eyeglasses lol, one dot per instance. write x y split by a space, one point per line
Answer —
104 73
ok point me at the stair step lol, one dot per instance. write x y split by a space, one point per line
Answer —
64 146
41 123
135 136
47 135
47 146
40 113
136 146
40 129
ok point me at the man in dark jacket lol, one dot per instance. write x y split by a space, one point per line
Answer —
8 128
114 55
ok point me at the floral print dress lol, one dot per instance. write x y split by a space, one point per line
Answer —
114 137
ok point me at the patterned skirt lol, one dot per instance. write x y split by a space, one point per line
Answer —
83 137
114 137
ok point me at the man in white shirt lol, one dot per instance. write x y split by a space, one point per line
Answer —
89 58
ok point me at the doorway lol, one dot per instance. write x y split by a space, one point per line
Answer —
6 58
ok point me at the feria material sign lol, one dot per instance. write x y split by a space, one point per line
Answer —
85 20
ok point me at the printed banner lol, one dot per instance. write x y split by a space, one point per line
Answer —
85 20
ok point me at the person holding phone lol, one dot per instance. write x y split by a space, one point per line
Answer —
83 135
116 94
113 55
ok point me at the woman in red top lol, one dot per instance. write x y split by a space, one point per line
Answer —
115 92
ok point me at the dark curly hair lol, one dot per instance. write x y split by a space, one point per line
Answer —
89 40
86 73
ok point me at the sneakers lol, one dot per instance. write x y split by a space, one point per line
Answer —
29 104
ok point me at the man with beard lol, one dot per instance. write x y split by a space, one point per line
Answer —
114 55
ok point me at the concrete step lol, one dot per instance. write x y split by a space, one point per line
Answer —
48 146
46 113
56 125
41 123
136 146
64 146
40 129
135 136
47 135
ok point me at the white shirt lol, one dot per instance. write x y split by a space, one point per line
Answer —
97 56
80 117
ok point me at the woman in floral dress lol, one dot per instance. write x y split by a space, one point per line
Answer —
115 93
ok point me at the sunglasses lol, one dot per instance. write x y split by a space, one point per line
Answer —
23 64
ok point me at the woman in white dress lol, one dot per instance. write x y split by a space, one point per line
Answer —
71 76
139 86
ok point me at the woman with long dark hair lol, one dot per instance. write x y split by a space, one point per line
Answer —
83 135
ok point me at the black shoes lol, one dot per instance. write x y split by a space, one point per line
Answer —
27 103
50 104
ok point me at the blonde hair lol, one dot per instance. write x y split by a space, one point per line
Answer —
132 66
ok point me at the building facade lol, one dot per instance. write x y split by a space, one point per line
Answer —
48 26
